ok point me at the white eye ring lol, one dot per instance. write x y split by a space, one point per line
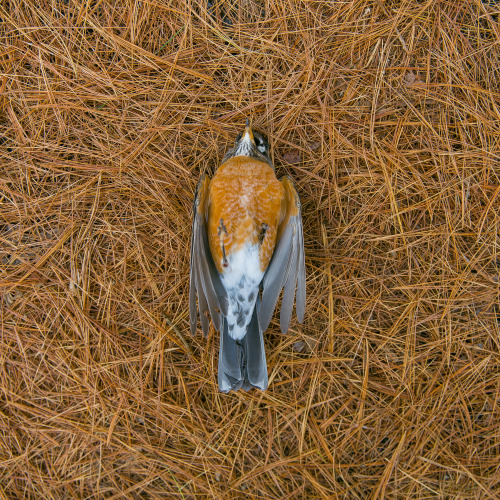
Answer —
261 146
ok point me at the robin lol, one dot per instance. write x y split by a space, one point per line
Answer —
247 239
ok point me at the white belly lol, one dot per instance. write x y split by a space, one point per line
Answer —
241 280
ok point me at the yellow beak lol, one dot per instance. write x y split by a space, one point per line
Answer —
248 134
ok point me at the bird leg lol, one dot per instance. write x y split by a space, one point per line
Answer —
221 230
263 230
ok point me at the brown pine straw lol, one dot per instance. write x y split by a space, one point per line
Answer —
386 114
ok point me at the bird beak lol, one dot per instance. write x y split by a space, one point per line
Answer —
248 134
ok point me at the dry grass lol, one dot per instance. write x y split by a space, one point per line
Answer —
110 111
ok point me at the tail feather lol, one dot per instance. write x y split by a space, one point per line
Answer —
242 363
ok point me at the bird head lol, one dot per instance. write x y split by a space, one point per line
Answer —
250 143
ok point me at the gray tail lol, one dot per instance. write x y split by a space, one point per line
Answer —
242 363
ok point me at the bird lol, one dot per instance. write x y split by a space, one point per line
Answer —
247 246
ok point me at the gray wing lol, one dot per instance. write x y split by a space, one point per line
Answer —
287 267
204 280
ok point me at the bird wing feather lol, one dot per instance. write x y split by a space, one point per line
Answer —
204 280
287 267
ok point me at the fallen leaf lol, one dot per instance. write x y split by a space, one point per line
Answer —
292 157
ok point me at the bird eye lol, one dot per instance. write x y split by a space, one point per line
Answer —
260 145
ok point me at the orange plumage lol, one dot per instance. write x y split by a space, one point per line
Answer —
247 237
245 194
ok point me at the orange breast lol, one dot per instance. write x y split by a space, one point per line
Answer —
244 196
